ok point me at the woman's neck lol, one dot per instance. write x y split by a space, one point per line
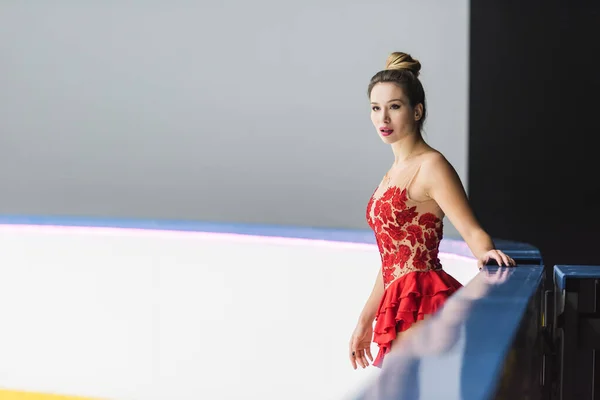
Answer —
406 147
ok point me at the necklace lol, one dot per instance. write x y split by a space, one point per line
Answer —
387 178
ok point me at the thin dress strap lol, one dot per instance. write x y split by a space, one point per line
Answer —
410 180
413 176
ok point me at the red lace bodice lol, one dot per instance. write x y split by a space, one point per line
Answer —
408 232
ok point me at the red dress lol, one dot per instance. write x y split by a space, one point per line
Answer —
408 235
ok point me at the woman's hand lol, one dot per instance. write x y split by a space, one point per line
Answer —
360 345
501 258
495 278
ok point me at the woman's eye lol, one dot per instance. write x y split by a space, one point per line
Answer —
395 106
374 108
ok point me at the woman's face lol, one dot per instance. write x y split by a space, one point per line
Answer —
391 113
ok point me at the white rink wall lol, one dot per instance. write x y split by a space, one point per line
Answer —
133 314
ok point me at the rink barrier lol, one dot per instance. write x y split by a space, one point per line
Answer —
474 348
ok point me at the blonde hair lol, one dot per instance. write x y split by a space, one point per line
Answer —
403 70
399 61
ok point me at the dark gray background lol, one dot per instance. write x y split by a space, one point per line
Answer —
534 103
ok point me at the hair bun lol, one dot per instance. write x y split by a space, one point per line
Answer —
399 60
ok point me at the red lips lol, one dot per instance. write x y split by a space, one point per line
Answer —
386 131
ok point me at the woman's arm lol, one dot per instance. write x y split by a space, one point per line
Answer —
367 316
444 186
359 350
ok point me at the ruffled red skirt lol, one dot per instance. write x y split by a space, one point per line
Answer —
408 300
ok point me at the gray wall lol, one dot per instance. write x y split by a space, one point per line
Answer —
239 111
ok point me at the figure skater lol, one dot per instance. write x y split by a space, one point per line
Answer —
405 212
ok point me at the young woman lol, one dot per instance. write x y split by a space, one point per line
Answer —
406 212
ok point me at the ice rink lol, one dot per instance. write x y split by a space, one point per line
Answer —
134 314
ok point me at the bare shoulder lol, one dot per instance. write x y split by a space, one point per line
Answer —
437 169
435 162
